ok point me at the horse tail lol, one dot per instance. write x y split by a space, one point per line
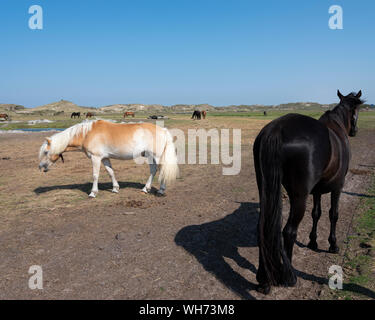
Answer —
274 266
168 161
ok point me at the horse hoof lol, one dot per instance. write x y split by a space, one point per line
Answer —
115 190
160 194
92 195
264 288
313 246
145 190
333 249
291 282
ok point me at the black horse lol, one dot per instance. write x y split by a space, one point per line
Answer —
306 156
197 115
75 114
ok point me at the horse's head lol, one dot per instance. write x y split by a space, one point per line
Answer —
353 101
46 157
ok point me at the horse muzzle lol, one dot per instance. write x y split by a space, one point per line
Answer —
43 166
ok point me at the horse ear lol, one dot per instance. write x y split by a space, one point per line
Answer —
48 141
340 95
359 94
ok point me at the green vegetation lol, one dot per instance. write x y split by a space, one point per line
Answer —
271 114
359 261
366 118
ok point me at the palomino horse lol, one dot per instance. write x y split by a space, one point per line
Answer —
306 156
101 140
4 116
204 113
129 113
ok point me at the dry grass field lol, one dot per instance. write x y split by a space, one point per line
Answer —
197 242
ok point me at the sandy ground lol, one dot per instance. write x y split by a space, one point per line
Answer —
198 242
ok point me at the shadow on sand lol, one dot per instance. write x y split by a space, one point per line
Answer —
211 242
86 187
360 195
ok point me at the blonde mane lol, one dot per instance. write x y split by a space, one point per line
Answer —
61 140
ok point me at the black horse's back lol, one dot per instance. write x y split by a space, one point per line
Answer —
305 156
304 152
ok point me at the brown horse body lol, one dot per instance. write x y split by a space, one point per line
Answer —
4 116
129 113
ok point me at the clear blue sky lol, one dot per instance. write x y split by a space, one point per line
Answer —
96 52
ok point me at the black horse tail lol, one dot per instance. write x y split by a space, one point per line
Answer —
274 265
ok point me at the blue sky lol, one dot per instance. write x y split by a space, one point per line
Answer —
96 52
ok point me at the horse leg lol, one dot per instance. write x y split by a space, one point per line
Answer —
297 210
108 167
333 217
95 169
153 169
264 286
161 191
316 213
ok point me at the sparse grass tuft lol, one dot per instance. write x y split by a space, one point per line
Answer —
359 258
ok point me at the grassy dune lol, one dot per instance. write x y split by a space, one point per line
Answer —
366 119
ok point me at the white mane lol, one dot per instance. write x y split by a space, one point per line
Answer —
60 141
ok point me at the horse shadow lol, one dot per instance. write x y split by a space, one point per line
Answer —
86 187
211 242
360 195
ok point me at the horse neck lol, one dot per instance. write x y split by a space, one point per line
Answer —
337 119
75 142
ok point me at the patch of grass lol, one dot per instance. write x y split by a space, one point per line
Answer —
360 279
359 259
366 119
238 189
271 114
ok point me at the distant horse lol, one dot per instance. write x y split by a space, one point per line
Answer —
4 116
264 113
196 115
75 114
89 115
129 113
306 156
101 140
204 113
